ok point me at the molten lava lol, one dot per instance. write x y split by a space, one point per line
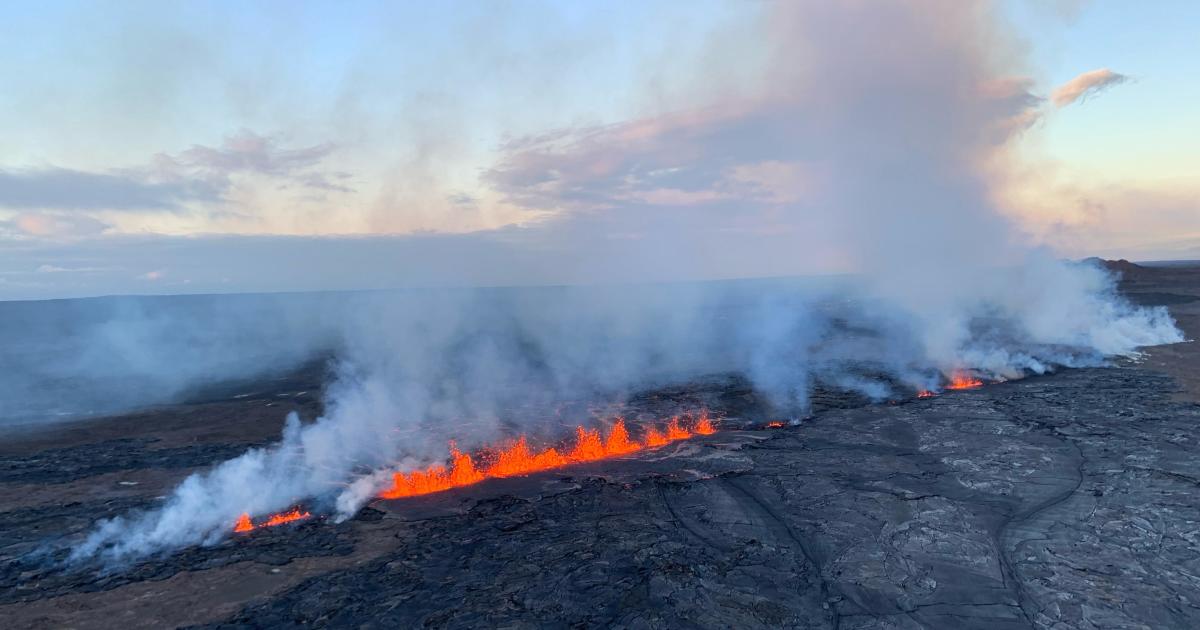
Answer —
244 524
962 380
776 424
925 393
515 459
518 459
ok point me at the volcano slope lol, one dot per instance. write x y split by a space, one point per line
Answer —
1065 501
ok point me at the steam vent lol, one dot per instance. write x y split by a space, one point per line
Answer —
805 314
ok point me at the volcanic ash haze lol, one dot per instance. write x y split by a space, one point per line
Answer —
871 144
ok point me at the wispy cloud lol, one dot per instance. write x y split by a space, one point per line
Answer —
1085 86
65 189
247 152
201 180
52 224
198 174
46 268
676 159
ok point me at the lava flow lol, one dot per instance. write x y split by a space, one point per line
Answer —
518 459
244 524
962 380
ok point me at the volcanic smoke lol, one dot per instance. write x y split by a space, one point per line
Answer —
882 158
513 460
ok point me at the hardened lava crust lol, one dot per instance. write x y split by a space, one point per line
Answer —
1069 500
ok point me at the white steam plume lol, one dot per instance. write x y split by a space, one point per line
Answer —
888 112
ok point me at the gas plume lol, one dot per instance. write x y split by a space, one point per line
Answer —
870 142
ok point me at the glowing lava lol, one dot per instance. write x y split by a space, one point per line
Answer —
777 424
515 459
925 393
962 380
518 459
244 524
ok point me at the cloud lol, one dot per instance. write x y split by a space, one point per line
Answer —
248 152
170 182
207 263
52 225
665 160
1085 86
841 156
1080 216
845 156
869 141
57 269
65 189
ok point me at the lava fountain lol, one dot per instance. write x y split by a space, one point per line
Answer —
518 459
515 459
245 524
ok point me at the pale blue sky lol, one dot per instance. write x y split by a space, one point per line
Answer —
139 138
1148 129
95 82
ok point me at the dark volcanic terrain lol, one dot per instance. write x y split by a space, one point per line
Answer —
1070 500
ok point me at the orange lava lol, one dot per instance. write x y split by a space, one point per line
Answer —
962 380
777 424
518 459
244 524
925 393
288 517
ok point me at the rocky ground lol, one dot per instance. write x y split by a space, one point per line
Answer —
1064 501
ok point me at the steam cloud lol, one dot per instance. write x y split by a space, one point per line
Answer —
1087 84
890 115
94 356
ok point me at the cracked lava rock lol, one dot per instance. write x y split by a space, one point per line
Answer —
1064 501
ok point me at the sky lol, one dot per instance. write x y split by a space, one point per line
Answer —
222 146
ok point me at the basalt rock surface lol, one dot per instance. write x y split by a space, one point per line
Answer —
1066 501
1070 500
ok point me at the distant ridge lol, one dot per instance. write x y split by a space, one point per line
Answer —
1122 268
1152 264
